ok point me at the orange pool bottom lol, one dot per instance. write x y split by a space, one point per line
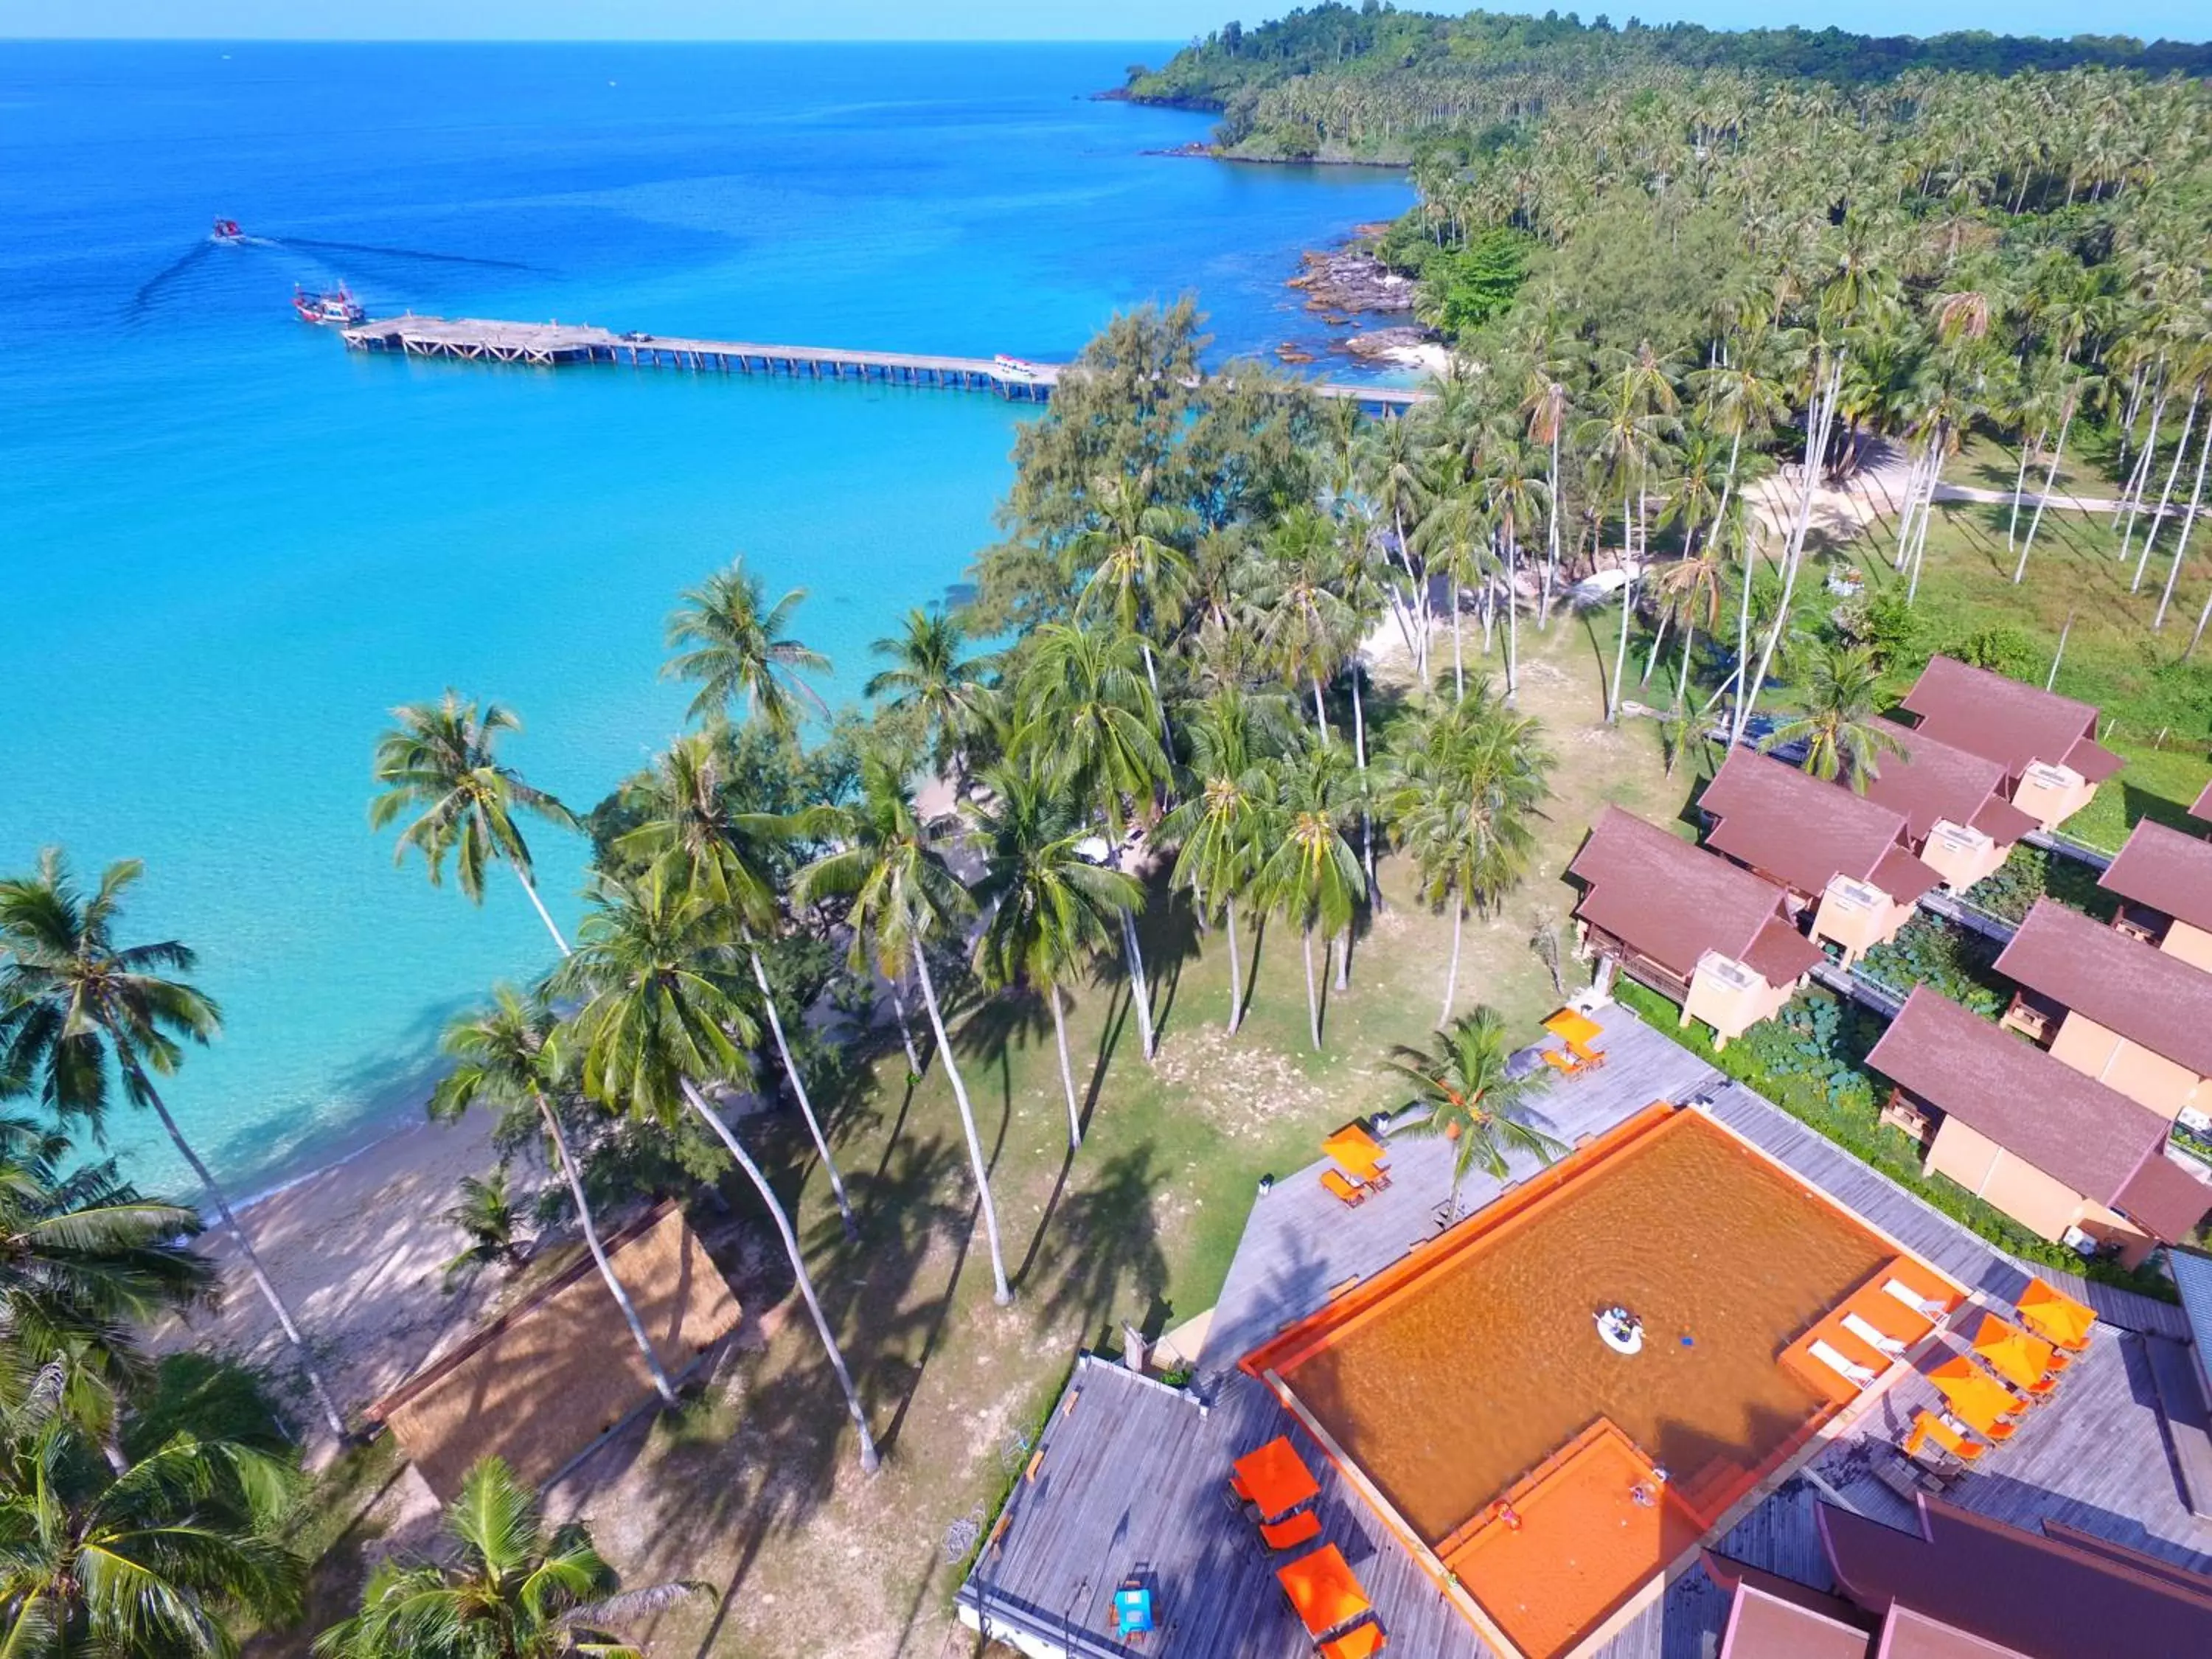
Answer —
1469 1381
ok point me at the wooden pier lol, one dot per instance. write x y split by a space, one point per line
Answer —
554 346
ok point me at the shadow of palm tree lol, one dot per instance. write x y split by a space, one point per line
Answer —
1105 1252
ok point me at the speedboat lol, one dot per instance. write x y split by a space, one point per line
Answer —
226 233
1014 368
335 306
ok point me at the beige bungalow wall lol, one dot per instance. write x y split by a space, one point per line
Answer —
2039 1202
2192 945
1857 929
1962 867
2051 806
2149 1080
1732 1010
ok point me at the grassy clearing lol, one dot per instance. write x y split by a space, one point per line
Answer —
2157 704
753 1490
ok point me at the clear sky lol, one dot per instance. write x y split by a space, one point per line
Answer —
1001 20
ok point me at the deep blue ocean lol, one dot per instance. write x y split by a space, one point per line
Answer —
228 546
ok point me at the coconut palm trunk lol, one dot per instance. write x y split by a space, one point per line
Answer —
1366 811
262 1282
1133 953
869 1458
1067 1069
662 1385
905 1029
1000 1292
1451 974
2188 524
2166 495
799 1088
538 905
1237 967
2042 500
1313 994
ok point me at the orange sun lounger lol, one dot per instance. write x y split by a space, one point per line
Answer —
1928 1427
1323 1591
2018 1358
1360 1642
1276 1479
2056 1318
1350 1192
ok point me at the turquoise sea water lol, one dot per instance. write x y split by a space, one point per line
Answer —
228 546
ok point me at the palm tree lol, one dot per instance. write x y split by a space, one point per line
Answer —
1085 717
1136 574
439 764
1465 780
739 649
486 1216
1302 623
149 1560
711 849
1221 825
85 1261
1465 1080
1453 538
515 1591
505 1056
904 898
1842 697
660 1022
75 1006
1312 876
930 681
1046 906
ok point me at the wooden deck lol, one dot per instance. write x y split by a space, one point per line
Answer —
1131 1479
1301 1245
557 345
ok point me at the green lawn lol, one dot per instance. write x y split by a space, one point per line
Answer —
754 1490
2156 700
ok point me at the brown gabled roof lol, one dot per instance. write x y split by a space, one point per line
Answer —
1672 901
1761 1625
1929 778
2158 1001
2167 870
1790 825
2042 1597
2072 1127
2164 1199
2006 722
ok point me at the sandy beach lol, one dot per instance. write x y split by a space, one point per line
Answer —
356 1250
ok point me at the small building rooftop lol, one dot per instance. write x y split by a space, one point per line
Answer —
1928 780
1788 824
2151 999
2166 870
1673 902
2095 1140
2006 722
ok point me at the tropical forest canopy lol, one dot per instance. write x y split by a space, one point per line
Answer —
1371 81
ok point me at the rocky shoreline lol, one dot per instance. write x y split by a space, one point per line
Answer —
1352 279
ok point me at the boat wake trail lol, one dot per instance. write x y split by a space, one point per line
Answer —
398 253
153 285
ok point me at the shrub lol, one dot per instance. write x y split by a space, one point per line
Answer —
1943 956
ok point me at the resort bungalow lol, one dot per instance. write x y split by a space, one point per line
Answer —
1957 820
2163 879
1688 924
1837 854
1958 1585
2113 1008
2046 744
2060 1153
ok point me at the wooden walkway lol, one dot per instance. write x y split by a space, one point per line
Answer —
557 345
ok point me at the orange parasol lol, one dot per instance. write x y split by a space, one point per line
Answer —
2011 1352
2056 1317
1323 1590
1972 1394
1355 1151
1276 1479
1577 1030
